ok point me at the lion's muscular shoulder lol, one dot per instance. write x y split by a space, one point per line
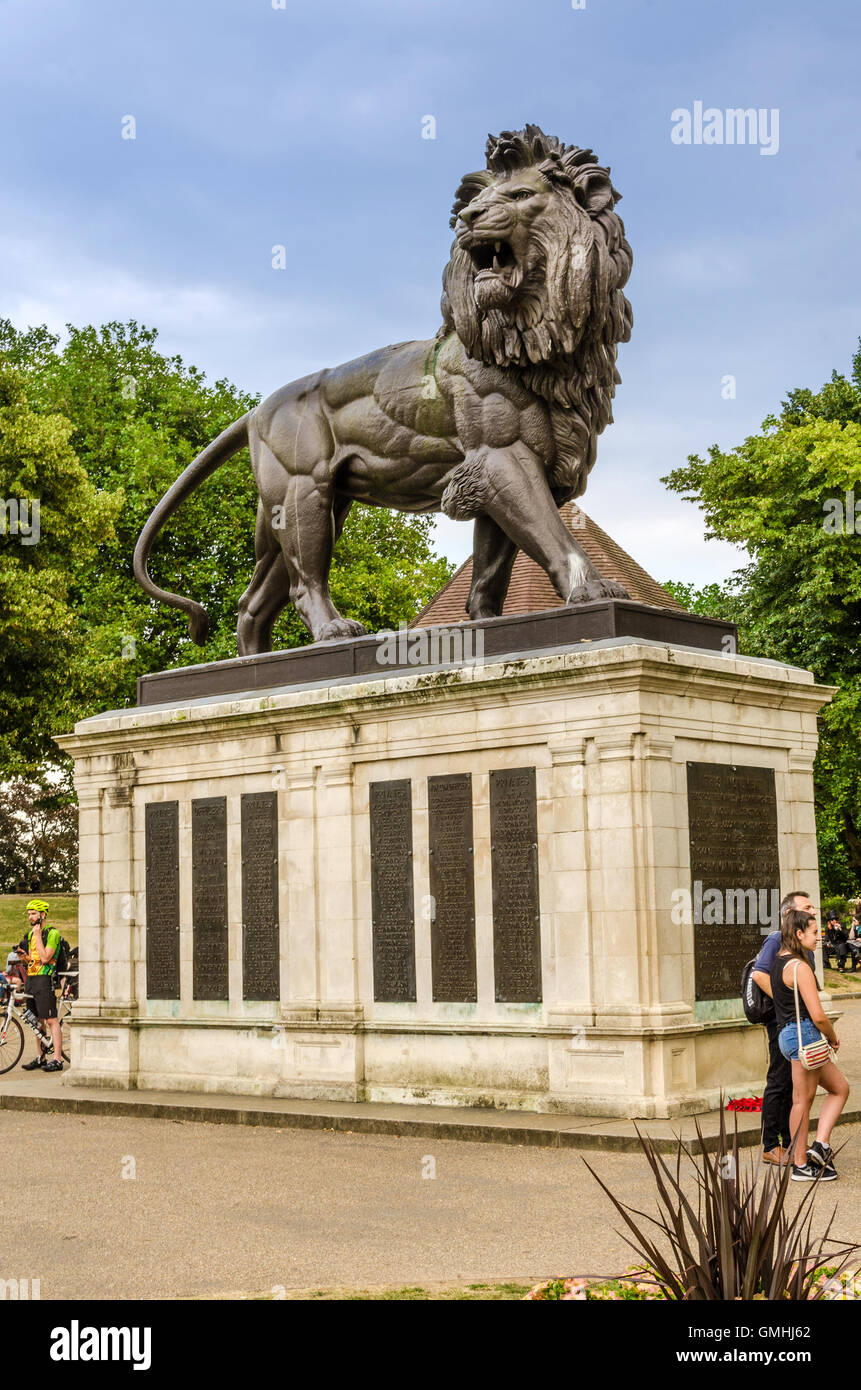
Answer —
401 383
492 406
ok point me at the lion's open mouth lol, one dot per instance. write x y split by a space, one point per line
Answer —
494 258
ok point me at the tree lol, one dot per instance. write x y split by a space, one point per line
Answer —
54 521
789 496
38 837
133 418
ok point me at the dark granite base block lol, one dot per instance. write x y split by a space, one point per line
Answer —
358 656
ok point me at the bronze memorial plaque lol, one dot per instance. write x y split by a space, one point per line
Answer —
162 899
260 944
451 864
209 896
735 871
514 860
392 892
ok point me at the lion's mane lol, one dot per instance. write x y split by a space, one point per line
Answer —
561 333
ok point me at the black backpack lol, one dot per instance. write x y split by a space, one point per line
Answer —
69 984
758 1007
62 957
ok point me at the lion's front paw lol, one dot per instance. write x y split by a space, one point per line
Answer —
597 588
339 627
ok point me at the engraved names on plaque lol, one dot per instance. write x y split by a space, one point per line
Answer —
452 889
209 897
735 871
514 861
260 939
394 943
161 852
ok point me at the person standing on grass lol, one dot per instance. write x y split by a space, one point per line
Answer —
791 974
41 945
777 1097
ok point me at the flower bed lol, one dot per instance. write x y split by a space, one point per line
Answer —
638 1285
594 1291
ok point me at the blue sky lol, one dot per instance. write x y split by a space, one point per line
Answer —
302 126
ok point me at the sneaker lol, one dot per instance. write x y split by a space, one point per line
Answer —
55 1065
36 1063
807 1173
819 1154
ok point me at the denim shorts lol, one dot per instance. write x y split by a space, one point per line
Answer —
787 1039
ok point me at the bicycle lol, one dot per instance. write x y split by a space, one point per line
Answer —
12 1017
68 994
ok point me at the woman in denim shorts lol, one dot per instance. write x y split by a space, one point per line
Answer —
799 934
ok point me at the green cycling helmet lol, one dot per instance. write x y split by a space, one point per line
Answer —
37 905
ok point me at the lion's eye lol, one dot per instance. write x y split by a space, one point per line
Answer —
520 193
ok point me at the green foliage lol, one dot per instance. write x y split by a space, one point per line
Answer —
100 428
841 906
799 598
38 836
41 632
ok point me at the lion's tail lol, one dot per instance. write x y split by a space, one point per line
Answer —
228 443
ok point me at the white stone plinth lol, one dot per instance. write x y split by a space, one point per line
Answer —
608 726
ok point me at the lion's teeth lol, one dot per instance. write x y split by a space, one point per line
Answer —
497 246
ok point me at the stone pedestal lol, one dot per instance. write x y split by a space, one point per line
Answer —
613 1027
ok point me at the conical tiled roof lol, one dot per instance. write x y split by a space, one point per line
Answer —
530 589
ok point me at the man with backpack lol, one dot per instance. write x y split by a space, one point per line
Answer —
777 1097
41 945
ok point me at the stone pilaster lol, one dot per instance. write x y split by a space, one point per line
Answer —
300 964
338 946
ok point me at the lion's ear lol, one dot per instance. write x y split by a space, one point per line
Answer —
594 191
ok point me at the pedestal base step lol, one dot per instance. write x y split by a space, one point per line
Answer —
49 1094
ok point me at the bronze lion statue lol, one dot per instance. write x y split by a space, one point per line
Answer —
496 418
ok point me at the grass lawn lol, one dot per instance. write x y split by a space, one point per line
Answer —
13 918
411 1293
847 981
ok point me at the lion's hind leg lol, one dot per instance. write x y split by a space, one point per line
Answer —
312 518
266 595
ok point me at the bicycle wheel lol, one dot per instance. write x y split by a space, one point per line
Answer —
11 1043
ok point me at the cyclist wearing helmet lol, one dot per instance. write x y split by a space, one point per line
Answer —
40 945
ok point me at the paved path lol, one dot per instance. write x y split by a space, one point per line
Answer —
217 1209
220 1209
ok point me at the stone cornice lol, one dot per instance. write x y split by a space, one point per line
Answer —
624 668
